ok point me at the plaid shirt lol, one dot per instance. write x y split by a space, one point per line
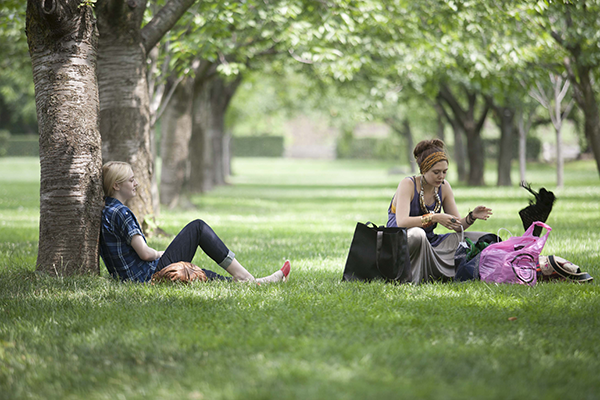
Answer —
119 225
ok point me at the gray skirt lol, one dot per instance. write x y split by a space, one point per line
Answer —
430 263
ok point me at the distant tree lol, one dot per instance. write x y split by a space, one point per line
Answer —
574 27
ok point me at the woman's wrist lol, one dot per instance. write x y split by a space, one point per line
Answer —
427 220
470 218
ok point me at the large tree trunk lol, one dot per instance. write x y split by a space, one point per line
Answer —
505 119
176 127
124 97
62 40
211 99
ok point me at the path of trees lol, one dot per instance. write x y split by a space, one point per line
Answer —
106 71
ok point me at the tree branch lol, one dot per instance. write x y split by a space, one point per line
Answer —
163 21
449 98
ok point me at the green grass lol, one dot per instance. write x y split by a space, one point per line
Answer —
312 337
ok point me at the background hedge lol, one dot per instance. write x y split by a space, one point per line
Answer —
257 146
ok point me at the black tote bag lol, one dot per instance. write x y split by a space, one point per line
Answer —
378 253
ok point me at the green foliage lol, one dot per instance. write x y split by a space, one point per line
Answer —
314 336
87 3
17 98
257 146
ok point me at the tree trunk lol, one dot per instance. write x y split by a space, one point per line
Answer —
410 144
124 98
62 40
505 119
441 126
476 156
201 152
522 146
176 127
459 147
560 162
211 99
472 127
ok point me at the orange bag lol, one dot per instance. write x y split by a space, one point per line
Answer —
181 271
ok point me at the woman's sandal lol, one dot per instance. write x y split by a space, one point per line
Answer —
287 266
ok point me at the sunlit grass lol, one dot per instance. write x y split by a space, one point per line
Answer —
313 337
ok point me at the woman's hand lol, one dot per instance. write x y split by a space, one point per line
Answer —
481 212
449 221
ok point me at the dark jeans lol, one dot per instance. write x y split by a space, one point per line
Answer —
183 248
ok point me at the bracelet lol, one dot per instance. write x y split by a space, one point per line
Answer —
426 220
470 220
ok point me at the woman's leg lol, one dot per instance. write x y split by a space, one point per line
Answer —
198 233
184 246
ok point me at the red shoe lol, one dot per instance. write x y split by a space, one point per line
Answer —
286 269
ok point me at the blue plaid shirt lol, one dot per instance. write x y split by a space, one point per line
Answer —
119 225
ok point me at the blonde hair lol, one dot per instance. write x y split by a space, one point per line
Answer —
114 172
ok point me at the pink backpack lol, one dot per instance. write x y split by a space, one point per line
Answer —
515 259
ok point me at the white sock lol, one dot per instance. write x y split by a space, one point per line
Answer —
275 277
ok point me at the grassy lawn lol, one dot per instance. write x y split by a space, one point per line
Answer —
312 337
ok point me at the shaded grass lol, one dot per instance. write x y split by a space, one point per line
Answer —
313 337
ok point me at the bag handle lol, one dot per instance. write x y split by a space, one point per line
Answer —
529 231
504 229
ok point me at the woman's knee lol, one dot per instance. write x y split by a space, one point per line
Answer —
198 224
416 237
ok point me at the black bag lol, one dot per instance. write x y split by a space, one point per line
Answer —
467 265
378 253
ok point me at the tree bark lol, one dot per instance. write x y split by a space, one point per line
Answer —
211 99
176 127
441 126
459 146
523 127
63 40
472 127
124 99
505 119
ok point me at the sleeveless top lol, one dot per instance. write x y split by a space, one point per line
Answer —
415 211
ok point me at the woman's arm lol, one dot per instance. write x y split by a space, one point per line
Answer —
142 249
402 200
449 203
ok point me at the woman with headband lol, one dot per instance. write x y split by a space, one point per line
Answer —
418 205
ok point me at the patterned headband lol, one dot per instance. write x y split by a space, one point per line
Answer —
431 160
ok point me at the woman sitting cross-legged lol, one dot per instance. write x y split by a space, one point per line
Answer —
420 204
124 249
